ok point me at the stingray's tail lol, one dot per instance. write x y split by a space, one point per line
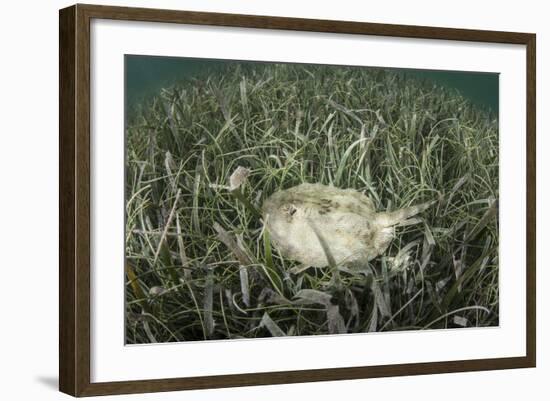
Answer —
399 216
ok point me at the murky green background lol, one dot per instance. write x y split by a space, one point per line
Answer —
146 75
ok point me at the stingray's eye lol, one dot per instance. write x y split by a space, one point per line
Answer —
290 209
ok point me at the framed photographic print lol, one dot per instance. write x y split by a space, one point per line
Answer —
250 200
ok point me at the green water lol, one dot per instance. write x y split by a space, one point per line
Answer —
480 88
147 75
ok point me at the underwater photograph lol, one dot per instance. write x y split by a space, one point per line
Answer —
267 199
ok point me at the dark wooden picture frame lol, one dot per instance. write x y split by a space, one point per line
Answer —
74 200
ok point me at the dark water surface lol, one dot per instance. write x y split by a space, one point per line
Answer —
147 75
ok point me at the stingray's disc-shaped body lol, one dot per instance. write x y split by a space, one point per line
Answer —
300 218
